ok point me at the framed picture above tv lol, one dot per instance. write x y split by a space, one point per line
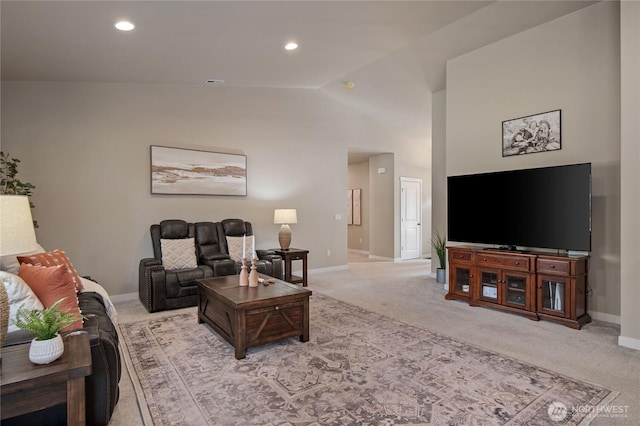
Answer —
194 172
530 134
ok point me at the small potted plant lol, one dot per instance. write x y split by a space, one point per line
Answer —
439 244
45 324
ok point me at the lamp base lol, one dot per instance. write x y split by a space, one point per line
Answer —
284 236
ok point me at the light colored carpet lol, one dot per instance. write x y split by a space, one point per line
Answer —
358 368
405 292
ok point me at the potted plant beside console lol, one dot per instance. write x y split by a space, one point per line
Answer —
45 324
439 243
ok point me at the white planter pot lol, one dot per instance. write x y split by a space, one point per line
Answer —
46 351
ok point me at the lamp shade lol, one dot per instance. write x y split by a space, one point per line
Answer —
285 216
16 225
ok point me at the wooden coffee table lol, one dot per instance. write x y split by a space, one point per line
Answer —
252 316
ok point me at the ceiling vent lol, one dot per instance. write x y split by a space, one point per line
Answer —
212 81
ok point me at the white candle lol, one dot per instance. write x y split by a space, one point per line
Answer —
244 246
253 245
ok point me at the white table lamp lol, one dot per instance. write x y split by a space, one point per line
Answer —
285 217
16 236
16 225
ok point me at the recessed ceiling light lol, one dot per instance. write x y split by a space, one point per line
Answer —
291 46
124 26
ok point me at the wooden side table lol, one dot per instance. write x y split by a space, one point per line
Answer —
27 387
289 255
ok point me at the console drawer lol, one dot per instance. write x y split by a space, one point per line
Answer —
520 263
460 255
549 266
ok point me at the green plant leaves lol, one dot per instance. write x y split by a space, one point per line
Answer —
45 323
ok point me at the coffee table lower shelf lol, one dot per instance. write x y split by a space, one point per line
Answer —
252 316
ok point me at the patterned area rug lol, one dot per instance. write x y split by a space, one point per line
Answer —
359 368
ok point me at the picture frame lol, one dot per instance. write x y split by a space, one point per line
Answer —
349 206
531 134
357 218
197 172
354 216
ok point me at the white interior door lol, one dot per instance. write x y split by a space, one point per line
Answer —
411 218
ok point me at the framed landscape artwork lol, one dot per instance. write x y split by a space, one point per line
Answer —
193 172
534 133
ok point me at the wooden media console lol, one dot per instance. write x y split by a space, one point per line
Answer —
536 285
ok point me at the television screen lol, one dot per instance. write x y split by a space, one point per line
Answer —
547 207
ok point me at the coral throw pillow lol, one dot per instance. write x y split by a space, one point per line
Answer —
54 258
51 284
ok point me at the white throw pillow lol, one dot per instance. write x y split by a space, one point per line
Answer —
19 294
178 254
234 244
89 285
10 263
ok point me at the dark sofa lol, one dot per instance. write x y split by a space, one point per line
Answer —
101 387
160 289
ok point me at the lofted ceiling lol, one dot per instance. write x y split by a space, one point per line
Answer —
241 42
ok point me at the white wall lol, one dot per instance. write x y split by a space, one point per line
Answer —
382 207
630 191
439 175
86 148
358 235
572 64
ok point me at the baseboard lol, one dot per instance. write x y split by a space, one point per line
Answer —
387 259
359 252
629 342
327 269
600 316
123 297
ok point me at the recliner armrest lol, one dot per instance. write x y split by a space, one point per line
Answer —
274 259
267 254
151 284
150 262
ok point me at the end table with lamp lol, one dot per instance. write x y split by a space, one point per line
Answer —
289 255
285 217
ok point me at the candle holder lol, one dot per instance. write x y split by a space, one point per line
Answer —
244 275
253 275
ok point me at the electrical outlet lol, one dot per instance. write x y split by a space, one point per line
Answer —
328 252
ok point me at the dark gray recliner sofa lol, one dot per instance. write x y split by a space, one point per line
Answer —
159 288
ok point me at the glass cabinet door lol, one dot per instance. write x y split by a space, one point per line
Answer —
462 279
489 286
552 296
516 291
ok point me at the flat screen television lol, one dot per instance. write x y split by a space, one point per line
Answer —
548 207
